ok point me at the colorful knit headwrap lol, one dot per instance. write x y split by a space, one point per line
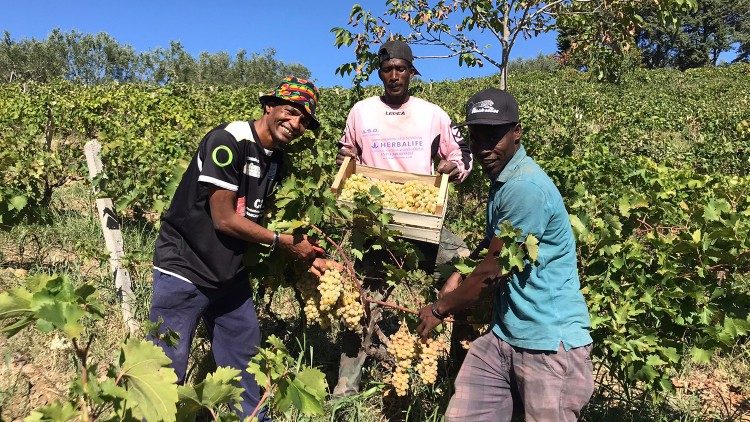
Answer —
299 91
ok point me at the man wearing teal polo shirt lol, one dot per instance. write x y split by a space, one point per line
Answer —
538 351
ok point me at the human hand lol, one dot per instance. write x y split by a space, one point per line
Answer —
320 266
344 152
301 247
428 322
448 167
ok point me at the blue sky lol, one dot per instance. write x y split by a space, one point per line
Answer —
298 30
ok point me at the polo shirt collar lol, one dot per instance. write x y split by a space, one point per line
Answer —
256 139
510 168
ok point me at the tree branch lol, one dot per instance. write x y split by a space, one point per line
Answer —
398 307
447 56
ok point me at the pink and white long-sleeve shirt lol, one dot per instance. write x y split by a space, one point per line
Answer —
405 137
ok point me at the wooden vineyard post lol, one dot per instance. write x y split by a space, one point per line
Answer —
113 238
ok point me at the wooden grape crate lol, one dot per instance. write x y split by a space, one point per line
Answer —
412 225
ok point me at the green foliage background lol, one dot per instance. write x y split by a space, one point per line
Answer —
654 172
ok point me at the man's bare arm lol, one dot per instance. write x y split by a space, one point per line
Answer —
480 282
227 221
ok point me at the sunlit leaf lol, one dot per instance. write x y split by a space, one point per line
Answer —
150 382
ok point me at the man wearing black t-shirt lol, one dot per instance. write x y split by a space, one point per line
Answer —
214 215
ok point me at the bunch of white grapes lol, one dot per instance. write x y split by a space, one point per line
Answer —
350 309
413 196
307 284
330 298
422 197
405 347
355 183
330 288
429 354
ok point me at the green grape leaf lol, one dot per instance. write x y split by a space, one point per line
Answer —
18 202
515 259
51 302
671 354
624 206
110 389
647 373
464 268
258 371
314 382
220 387
655 360
63 316
12 329
276 342
150 382
15 311
532 247
57 412
314 214
666 384
189 403
735 327
290 226
701 355
579 228
294 393
712 211
508 233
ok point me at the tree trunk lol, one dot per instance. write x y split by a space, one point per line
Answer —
504 71
506 48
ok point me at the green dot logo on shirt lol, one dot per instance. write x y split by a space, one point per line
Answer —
222 155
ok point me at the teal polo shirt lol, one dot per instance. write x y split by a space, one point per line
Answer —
543 305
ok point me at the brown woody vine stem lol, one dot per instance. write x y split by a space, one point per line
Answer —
264 398
398 307
350 269
82 355
348 263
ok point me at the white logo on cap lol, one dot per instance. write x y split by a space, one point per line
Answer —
484 106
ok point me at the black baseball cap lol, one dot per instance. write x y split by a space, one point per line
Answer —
491 106
396 49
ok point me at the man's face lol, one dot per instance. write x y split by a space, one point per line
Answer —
395 74
287 122
494 145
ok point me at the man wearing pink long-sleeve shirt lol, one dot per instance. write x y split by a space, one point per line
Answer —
399 132
396 131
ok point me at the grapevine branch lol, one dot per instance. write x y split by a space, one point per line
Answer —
398 307
269 390
390 305
82 355
350 270
349 265
263 399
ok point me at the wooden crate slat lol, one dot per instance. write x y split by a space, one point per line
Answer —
416 219
394 176
418 233
425 227
347 169
442 195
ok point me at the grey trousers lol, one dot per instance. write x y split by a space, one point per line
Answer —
495 377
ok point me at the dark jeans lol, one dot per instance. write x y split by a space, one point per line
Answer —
229 316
